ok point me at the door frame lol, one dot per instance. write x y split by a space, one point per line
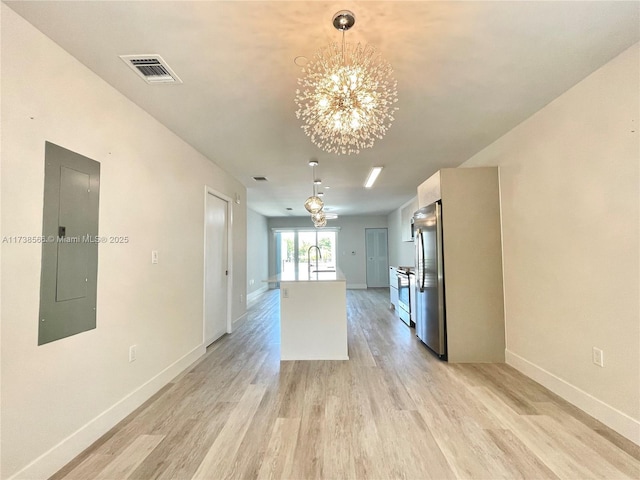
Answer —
211 191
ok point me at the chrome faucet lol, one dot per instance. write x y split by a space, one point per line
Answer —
309 258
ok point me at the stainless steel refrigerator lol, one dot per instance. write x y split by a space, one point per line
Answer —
430 315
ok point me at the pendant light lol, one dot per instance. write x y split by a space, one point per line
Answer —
314 204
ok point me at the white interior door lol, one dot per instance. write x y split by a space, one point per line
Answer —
216 269
377 257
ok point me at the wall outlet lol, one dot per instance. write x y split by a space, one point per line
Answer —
598 357
285 293
154 256
241 297
132 353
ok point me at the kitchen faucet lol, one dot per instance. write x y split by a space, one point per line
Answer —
309 258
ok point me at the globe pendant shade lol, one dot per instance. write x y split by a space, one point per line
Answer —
320 223
313 204
318 217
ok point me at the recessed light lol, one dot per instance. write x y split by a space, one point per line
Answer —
289 208
321 194
373 175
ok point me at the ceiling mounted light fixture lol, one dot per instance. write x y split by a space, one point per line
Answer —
314 203
346 99
372 177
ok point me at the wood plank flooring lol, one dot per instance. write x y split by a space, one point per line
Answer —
392 411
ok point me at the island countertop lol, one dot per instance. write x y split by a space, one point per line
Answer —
320 276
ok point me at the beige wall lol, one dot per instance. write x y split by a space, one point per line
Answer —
62 395
351 239
570 215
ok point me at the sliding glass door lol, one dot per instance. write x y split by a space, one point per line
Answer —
285 254
296 254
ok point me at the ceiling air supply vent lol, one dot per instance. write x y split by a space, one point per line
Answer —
260 179
151 68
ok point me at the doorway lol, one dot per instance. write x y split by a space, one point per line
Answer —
377 257
216 281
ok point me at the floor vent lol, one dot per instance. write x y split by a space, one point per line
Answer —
260 179
151 68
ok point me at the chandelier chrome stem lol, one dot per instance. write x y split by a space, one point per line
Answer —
313 204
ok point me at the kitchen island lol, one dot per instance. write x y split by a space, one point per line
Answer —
313 316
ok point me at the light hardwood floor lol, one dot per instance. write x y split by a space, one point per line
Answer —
392 411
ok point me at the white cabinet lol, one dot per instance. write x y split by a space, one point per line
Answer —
318 333
429 190
406 214
393 288
472 250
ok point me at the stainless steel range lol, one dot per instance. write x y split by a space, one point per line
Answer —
405 281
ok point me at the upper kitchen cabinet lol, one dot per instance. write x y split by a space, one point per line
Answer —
472 258
406 215
429 190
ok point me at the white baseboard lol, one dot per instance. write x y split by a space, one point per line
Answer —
356 286
314 359
610 416
57 457
253 296
238 322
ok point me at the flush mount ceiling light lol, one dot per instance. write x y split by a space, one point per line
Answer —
314 203
346 99
373 175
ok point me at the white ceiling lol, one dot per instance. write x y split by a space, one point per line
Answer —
467 73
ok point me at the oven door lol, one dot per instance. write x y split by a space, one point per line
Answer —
404 310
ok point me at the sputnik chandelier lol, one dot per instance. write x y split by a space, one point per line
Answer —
347 98
314 203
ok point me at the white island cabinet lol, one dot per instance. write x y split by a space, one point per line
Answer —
313 317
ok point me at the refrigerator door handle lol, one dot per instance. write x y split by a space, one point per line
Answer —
421 264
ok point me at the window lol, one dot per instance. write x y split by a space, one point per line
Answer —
295 255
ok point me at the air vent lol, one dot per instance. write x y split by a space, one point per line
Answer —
151 68
260 179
